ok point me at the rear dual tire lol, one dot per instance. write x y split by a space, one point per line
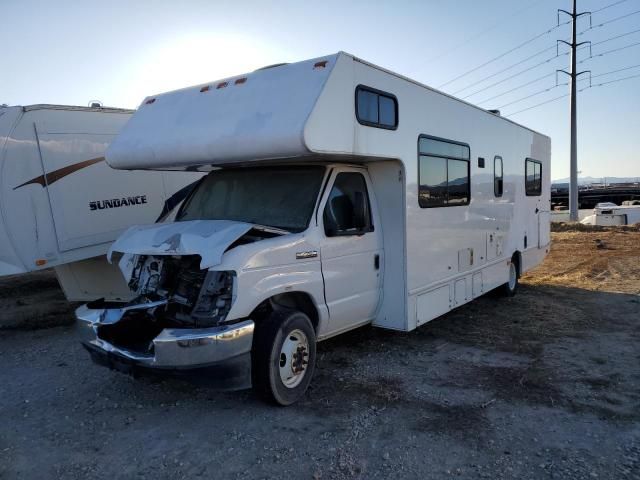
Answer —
510 288
283 356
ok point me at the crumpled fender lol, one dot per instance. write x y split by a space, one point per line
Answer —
207 238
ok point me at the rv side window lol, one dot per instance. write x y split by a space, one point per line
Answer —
375 108
443 173
533 180
497 176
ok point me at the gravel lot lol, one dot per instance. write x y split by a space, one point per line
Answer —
542 385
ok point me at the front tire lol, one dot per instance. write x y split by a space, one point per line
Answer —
283 356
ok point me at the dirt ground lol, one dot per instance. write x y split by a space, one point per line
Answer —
542 385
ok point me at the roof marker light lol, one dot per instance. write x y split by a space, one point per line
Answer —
205 89
321 64
240 81
150 101
222 85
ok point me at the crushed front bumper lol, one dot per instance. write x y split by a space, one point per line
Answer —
219 355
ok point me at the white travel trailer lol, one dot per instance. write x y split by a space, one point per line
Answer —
339 194
61 205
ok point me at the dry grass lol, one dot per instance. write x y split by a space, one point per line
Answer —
592 258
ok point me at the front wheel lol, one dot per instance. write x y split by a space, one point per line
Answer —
283 356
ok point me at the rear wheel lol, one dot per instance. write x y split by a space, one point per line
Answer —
283 356
510 288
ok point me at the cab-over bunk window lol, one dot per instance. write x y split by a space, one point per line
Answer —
375 108
443 173
533 177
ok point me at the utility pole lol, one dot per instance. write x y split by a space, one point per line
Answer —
573 181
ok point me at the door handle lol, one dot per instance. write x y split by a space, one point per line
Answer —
376 261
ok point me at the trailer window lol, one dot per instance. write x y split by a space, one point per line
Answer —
533 180
443 173
497 176
375 108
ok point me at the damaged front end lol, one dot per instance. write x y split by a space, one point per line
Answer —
176 321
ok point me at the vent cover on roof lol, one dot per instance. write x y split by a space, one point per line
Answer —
495 112
270 66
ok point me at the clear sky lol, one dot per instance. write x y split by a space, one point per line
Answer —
118 51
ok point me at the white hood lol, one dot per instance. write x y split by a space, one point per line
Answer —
207 238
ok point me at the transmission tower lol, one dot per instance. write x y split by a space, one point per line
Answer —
573 181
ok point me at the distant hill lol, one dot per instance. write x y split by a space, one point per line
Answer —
588 180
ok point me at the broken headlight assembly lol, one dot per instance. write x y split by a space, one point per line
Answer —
215 299
198 298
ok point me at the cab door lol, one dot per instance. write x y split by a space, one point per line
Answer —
351 249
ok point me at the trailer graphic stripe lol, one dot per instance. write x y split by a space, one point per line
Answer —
51 177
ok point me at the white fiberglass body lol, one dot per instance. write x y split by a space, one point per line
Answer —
338 194
432 259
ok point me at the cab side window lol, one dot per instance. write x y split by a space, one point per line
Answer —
348 211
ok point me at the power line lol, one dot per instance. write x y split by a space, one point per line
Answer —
610 21
550 75
485 31
526 42
615 71
515 75
532 95
609 6
612 81
616 37
529 58
610 51
503 70
517 88
538 105
566 94
542 77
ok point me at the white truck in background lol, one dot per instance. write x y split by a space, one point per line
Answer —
61 205
339 194
612 214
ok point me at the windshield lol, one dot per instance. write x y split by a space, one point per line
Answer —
281 197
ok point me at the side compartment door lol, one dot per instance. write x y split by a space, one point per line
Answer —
351 250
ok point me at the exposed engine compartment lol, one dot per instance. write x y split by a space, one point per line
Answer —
195 299
185 296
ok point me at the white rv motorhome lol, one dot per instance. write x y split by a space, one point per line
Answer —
339 194
61 205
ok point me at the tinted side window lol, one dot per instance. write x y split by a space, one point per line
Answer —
347 211
367 106
443 173
497 176
457 182
533 177
375 108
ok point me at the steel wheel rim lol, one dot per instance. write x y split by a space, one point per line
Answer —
294 358
513 276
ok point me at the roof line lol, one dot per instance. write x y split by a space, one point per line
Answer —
47 106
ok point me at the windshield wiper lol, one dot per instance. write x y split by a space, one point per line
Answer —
271 229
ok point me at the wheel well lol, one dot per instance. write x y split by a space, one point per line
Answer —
517 259
301 301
